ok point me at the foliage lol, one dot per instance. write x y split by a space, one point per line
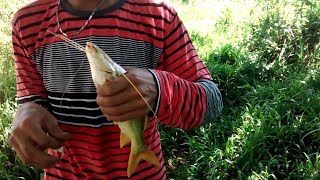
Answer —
269 128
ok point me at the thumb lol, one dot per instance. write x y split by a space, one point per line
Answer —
55 131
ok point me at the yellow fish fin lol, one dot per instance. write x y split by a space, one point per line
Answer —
134 160
124 140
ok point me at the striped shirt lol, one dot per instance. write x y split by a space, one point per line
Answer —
145 34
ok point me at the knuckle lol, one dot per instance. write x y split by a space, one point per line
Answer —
99 90
99 100
141 104
44 142
115 111
104 110
135 93
134 77
27 151
102 101
110 85
24 125
111 111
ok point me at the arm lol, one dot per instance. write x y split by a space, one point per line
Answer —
187 96
180 87
34 128
30 86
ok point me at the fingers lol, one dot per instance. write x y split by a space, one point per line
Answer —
128 116
113 87
30 155
34 130
34 157
121 83
124 108
16 147
30 129
55 131
117 99
120 101
44 140
37 132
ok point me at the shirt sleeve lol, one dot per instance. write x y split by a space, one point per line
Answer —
30 87
187 95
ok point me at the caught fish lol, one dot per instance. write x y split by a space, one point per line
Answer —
103 68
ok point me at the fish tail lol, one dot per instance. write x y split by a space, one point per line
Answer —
134 160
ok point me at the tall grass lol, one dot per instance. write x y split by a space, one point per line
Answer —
10 166
267 66
264 55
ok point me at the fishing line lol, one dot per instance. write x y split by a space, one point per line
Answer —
141 96
81 48
74 45
72 78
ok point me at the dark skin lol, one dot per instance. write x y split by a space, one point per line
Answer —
36 129
119 101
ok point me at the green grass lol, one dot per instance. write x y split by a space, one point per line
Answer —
265 57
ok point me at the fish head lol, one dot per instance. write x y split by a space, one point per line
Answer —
98 59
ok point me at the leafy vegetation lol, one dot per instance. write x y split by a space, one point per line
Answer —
264 55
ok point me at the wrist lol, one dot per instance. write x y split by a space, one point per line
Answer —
29 110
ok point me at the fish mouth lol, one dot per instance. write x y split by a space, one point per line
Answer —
91 46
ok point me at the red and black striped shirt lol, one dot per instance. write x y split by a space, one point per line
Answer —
145 34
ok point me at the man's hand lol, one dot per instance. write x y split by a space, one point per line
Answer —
119 101
34 130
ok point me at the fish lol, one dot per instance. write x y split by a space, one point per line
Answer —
104 69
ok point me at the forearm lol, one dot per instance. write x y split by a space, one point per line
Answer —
184 104
30 87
